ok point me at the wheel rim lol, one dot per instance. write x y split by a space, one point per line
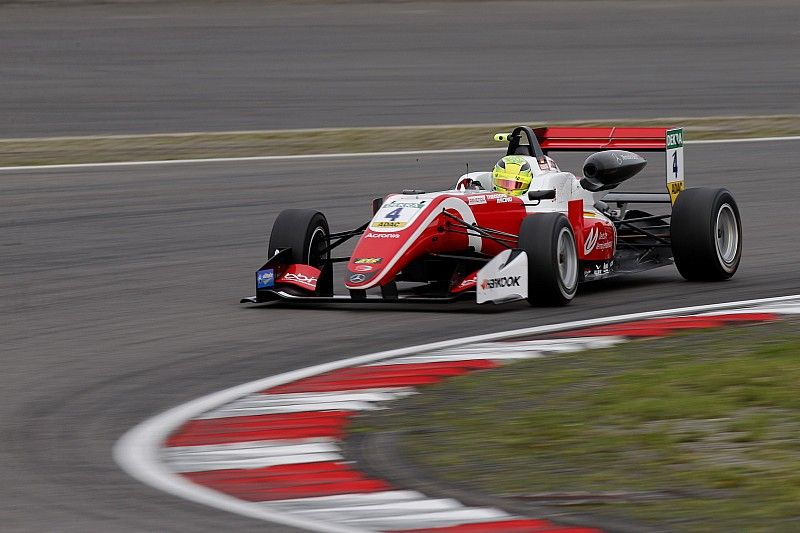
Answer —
316 245
567 260
726 233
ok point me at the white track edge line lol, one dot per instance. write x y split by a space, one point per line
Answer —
745 140
252 158
335 155
137 451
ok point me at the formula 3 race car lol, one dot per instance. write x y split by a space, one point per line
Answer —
475 242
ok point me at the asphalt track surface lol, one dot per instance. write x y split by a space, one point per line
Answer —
74 67
119 287
120 296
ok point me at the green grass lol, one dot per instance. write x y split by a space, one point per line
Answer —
99 149
710 421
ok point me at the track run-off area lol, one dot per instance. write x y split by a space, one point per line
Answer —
120 300
271 448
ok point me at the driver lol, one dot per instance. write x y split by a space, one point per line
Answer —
512 175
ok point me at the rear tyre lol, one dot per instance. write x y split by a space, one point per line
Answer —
549 242
706 234
305 231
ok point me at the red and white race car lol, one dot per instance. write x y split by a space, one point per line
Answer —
476 242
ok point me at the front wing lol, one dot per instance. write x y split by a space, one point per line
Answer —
503 279
284 296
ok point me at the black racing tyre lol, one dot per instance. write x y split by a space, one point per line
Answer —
305 231
706 232
549 242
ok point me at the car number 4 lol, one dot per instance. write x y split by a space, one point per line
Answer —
394 215
675 164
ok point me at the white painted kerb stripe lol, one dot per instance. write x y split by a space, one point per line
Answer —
251 454
347 500
382 510
261 404
336 156
432 519
138 451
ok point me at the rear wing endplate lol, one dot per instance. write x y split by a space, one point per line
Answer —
674 148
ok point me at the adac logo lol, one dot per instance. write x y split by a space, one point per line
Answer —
367 260
385 224
496 283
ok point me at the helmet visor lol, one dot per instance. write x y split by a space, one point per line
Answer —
511 185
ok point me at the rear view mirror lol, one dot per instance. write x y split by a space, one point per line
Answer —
547 194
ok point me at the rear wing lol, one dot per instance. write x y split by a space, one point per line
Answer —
593 139
541 141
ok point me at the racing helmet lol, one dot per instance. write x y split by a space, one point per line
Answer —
512 175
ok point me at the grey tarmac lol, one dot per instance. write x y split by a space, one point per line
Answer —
80 68
120 299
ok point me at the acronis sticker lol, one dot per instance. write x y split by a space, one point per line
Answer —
265 279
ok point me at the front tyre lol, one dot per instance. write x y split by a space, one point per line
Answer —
706 232
306 232
549 243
